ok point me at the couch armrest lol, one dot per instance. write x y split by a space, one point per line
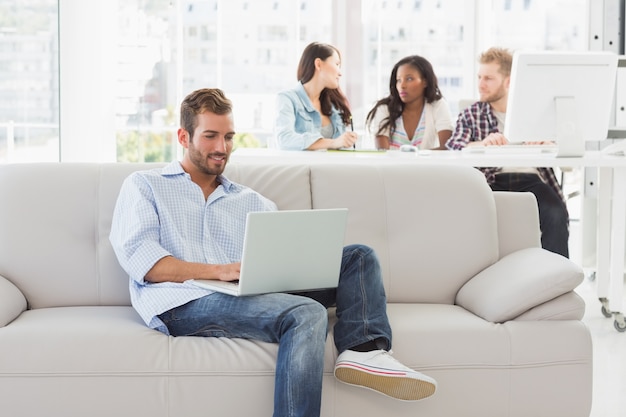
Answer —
518 221
569 306
517 283
12 302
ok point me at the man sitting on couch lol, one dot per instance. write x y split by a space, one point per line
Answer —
168 228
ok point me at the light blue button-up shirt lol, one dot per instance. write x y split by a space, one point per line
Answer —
162 212
297 123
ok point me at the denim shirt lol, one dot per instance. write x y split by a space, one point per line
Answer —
298 124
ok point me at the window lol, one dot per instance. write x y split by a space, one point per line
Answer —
122 84
432 29
551 25
29 88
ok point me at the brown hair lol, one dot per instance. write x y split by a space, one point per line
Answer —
500 56
203 100
328 97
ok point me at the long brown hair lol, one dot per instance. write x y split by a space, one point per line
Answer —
328 97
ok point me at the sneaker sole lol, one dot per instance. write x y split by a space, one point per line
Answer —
399 387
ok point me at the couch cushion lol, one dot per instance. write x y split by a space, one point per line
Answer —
113 340
63 213
51 212
518 221
519 282
287 185
83 349
569 306
12 302
493 367
433 227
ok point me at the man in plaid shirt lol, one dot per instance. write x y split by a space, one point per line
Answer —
482 124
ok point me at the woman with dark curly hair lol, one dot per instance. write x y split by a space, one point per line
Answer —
415 112
314 114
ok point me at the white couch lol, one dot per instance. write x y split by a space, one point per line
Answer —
473 300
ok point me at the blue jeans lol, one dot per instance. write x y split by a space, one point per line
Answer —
553 215
298 323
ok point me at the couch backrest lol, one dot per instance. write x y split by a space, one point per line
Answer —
433 227
55 221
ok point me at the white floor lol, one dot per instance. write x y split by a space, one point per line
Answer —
609 357
609 345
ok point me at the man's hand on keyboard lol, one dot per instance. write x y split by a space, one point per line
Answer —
494 139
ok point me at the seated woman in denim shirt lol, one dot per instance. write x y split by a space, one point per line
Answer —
315 113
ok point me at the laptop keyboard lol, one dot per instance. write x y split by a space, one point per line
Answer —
516 149
230 284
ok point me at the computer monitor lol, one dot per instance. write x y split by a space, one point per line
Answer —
565 97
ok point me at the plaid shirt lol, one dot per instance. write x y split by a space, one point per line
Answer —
474 124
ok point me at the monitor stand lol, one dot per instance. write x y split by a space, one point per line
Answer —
569 140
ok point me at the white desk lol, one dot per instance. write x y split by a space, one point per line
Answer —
611 241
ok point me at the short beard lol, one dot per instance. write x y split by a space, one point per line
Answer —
201 162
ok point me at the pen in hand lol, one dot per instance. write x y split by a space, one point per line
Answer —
352 128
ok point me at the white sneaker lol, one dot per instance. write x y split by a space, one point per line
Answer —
379 371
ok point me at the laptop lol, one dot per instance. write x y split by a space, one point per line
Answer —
288 251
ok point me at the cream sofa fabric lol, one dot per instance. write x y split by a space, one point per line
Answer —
71 345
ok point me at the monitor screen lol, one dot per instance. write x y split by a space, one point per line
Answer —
565 97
